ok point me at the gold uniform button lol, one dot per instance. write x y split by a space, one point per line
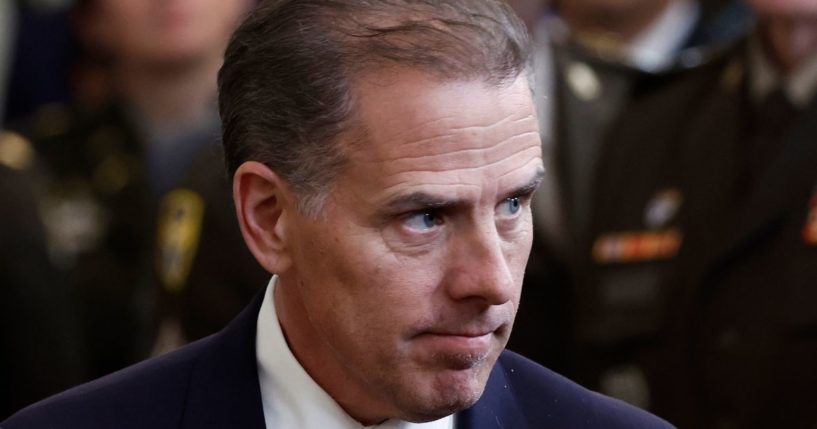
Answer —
583 81
15 151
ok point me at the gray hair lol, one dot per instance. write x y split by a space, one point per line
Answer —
285 89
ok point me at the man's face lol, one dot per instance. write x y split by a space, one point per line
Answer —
408 283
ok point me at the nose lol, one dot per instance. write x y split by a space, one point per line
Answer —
481 268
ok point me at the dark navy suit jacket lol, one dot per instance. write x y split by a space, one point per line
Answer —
213 383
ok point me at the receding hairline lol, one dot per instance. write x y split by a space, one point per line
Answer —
355 131
450 41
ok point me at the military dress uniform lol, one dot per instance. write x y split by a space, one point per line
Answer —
206 273
141 250
96 206
702 281
38 333
581 89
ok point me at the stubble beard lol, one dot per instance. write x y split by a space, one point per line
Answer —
454 383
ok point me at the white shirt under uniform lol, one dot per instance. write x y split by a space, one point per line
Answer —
290 397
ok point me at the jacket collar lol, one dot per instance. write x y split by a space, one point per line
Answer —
497 408
224 389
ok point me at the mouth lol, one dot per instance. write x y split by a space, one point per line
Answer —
459 349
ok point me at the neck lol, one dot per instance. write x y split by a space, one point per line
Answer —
788 41
169 98
620 23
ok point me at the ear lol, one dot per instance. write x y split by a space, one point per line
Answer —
263 203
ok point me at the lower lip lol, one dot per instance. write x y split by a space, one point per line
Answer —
458 344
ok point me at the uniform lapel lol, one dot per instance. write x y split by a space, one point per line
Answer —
224 390
707 165
789 179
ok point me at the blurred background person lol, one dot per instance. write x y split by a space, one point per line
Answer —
38 331
121 222
594 58
704 250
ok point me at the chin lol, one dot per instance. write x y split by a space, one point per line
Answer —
453 391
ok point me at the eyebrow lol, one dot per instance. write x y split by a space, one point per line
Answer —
421 201
426 201
528 188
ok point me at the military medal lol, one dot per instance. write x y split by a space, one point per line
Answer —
663 207
658 242
637 246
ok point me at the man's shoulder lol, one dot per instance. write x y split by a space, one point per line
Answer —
547 398
148 394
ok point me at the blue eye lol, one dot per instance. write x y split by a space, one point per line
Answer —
510 206
423 221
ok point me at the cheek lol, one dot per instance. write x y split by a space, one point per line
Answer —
356 283
386 298
390 285
517 250
517 243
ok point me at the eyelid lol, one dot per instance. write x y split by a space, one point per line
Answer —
525 194
523 197
439 219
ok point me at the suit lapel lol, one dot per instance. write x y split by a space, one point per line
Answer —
224 390
496 409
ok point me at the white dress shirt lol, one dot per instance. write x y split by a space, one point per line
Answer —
290 397
800 85
657 47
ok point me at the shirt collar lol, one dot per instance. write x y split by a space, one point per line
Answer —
653 50
290 397
800 85
656 47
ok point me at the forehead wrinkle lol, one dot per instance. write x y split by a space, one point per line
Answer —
541 169
445 156
412 182
412 130
470 151
509 118
403 188
467 159
457 132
